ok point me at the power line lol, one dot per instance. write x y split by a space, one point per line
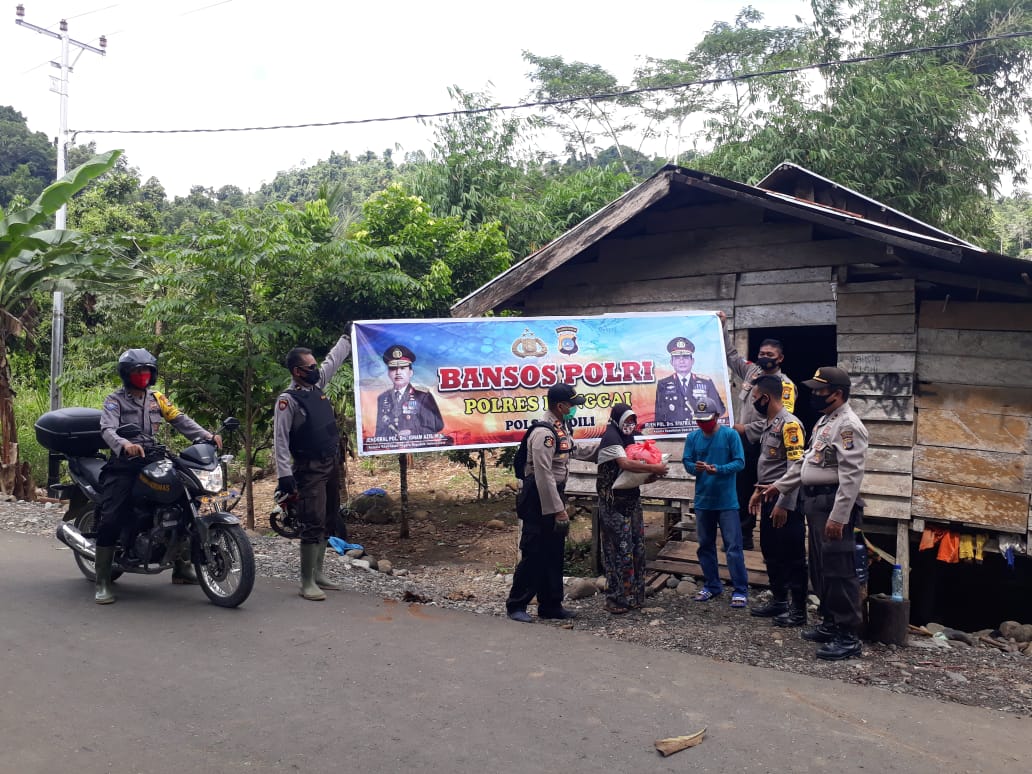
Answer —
584 98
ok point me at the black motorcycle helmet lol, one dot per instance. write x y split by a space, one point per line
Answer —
136 358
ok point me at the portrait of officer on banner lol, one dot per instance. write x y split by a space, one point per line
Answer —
405 411
678 394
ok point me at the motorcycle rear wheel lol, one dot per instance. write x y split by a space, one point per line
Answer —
86 522
228 579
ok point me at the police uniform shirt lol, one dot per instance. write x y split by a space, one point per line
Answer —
836 457
781 443
747 372
548 461
148 413
289 415
675 400
413 412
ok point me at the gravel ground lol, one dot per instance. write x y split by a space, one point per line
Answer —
948 671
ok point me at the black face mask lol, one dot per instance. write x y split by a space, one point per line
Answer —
761 405
310 375
820 402
767 363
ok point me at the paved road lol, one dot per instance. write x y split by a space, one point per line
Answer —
162 681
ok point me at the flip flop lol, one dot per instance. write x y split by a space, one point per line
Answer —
739 600
615 609
704 596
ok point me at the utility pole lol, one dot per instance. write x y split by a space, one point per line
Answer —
59 85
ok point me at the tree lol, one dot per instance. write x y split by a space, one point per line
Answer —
27 159
34 258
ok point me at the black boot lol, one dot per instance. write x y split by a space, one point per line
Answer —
796 615
825 631
845 645
777 606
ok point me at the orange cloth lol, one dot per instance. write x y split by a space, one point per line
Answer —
930 537
949 548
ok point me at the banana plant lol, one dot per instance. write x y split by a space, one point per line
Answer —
34 258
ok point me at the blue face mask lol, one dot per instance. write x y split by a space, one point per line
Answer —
570 414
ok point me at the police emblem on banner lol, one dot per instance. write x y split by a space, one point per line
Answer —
567 339
529 345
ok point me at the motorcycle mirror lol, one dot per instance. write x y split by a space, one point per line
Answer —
231 423
128 430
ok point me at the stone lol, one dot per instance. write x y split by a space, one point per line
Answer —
582 588
354 553
957 677
495 524
934 628
672 582
600 582
384 566
1012 630
686 588
400 573
362 564
373 564
419 515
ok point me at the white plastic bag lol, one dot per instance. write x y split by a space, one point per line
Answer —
629 480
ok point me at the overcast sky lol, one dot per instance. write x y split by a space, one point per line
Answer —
185 64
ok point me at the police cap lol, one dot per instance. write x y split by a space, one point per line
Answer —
398 356
828 376
564 393
705 410
681 346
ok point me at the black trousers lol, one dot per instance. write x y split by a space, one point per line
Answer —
833 562
116 504
745 482
318 487
542 552
784 552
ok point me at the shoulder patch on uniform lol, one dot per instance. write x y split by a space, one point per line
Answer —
111 406
549 441
847 438
282 404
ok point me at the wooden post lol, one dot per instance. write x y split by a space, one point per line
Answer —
596 546
403 466
903 553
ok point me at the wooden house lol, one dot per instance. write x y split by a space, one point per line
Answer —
936 332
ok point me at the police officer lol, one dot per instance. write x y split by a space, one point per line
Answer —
134 404
678 393
829 478
404 410
779 437
305 428
768 362
543 510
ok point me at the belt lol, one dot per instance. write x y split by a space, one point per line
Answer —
819 489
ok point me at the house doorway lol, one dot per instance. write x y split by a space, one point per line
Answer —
806 349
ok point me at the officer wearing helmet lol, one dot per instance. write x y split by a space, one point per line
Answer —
134 404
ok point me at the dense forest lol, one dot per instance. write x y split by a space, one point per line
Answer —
219 283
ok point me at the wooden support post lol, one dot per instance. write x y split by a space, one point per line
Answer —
596 545
403 460
903 553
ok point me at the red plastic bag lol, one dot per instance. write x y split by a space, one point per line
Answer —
645 451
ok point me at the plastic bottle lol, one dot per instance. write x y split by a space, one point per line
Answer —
860 556
897 583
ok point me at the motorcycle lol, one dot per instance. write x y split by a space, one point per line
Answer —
176 498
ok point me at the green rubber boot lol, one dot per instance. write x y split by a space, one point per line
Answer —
104 594
309 562
182 568
321 580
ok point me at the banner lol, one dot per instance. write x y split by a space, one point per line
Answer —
424 385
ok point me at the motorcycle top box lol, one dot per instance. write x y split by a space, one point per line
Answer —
73 431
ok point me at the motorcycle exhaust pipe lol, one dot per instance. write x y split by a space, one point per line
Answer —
72 538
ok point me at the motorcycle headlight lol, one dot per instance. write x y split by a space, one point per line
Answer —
211 480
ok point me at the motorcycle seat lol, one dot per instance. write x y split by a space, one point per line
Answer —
88 468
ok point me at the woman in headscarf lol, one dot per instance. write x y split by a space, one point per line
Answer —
619 513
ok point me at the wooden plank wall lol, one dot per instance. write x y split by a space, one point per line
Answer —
973 456
877 343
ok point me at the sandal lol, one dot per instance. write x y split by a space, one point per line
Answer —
704 596
615 609
739 600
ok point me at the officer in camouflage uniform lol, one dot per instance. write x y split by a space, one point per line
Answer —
404 411
779 436
305 429
679 392
134 404
828 479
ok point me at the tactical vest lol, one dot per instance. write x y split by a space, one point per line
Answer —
317 437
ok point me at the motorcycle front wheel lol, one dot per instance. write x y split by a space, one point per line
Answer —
228 578
86 522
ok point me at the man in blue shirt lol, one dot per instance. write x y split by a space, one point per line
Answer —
715 454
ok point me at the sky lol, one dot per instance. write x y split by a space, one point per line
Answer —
189 64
